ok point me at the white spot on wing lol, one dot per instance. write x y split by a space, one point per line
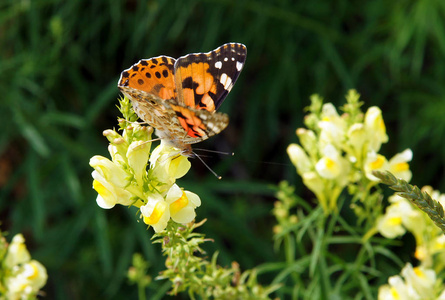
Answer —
226 81
233 58
218 65
239 66
226 58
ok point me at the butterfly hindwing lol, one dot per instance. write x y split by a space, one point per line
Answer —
198 124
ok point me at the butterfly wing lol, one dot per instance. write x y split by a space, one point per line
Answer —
198 124
148 84
203 80
153 76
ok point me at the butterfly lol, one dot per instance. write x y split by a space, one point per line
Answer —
179 97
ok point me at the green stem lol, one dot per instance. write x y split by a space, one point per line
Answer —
141 291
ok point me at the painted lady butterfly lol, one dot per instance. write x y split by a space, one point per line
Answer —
179 98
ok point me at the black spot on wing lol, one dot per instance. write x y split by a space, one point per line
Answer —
188 83
198 101
180 115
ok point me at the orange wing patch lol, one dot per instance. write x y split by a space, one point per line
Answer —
196 85
193 125
154 76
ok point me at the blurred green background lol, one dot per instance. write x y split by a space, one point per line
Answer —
59 66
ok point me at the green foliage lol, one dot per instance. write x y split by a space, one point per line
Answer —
59 66
325 257
137 274
189 271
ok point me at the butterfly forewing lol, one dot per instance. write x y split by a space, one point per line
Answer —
154 76
203 80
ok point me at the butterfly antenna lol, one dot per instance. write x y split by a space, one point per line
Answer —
207 166
214 151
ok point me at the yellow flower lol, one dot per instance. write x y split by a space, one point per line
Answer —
27 280
168 164
333 166
390 225
110 181
17 252
375 128
333 127
397 289
156 213
182 204
25 277
308 140
299 158
398 165
357 140
398 217
137 155
375 162
35 273
421 279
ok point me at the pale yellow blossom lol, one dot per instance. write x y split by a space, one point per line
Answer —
333 127
167 164
375 162
398 217
137 155
332 165
308 140
397 289
24 277
156 212
182 204
357 139
299 158
375 128
390 225
421 279
398 165
17 252
110 182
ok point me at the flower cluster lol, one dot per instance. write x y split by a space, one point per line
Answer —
136 177
413 284
337 150
22 277
402 216
419 282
